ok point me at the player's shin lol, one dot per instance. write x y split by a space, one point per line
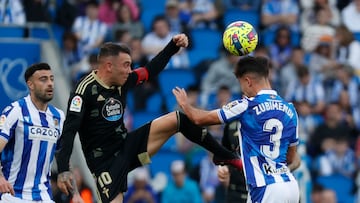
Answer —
203 138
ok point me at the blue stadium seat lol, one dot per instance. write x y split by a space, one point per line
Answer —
162 160
12 31
170 144
58 31
267 37
170 102
198 155
342 185
147 17
251 17
39 33
170 78
154 103
206 39
198 55
140 118
152 5
357 36
130 103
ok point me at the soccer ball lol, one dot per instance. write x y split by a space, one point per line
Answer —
240 38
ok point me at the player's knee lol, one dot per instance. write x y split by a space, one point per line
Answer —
118 199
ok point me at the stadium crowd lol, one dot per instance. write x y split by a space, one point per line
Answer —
314 47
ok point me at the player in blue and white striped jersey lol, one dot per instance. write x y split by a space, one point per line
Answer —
29 131
268 132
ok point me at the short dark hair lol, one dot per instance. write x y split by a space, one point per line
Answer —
35 67
113 49
93 3
302 71
249 64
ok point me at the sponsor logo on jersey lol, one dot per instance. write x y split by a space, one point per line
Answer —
43 134
269 170
2 120
76 104
112 110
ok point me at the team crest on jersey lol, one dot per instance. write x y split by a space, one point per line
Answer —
56 122
231 104
112 109
76 104
2 120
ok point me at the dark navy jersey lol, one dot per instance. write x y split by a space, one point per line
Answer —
96 112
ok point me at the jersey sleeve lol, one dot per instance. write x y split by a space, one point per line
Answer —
154 67
232 110
72 123
294 140
8 121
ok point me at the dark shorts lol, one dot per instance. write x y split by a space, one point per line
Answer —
111 175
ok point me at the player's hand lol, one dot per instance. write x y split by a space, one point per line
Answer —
181 40
77 198
223 174
5 186
64 182
181 96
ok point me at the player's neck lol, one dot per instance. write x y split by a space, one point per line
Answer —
262 86
103 78
41 106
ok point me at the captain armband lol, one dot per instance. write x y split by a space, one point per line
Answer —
143 75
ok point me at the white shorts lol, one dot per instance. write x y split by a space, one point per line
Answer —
8 198
284 192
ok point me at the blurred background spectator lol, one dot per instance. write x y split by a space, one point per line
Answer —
310 13
276 13
12 12
37 11
158 38
243 5
89 30
186 189
125 21
348 49
201 13
350 13
140 190
220 73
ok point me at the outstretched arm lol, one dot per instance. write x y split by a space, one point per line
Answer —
159 62
198 116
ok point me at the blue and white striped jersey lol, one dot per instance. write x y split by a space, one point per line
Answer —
268 126
31 137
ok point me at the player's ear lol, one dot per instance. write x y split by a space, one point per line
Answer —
30 84
248 81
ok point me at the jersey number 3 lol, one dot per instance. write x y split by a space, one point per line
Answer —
268 126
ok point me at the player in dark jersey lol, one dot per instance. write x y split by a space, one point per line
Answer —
95 110
236 191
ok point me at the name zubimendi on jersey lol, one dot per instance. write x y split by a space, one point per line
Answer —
270 105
